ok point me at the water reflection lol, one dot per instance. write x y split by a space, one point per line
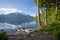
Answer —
13 28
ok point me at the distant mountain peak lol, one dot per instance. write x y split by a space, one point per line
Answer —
15 18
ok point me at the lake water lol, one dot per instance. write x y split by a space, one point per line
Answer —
11 28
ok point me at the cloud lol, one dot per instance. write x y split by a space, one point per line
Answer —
34 15
13 10
8 26
9 10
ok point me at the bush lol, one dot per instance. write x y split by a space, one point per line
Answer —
56 34
3 35
50 27
54 26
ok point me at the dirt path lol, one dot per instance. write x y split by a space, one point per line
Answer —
34 36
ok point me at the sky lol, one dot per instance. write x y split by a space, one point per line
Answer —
27 7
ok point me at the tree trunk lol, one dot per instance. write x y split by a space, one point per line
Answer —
39 18
56 11
45 17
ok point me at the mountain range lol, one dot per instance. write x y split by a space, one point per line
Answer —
15 18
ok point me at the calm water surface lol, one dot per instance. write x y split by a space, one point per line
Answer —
10 28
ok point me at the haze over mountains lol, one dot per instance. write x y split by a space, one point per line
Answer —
15 18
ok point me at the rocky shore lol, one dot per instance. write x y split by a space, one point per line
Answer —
24 35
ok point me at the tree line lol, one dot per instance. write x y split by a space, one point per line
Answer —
48 11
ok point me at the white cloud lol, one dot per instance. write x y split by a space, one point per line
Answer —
9 10
8 26
13 10
34 15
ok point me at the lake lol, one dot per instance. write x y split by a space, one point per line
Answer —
11 28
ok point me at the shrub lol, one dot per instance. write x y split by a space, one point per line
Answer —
56 34
3 35
54 26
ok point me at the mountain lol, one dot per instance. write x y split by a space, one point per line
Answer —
15 18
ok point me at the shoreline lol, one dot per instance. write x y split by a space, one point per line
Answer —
34 36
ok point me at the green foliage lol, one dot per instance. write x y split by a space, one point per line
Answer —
50 16
51 27
56 34
40 2
54 26
3 35
35 19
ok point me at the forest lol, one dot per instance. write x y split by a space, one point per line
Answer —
49 16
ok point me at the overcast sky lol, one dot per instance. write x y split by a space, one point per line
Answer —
24 6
